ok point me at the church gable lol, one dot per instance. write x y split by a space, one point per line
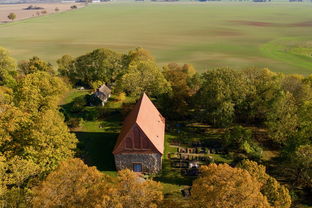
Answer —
136 141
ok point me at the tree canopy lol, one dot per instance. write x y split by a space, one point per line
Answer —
222 186
99 65
7 68
35 64
144 76
277 194
74 184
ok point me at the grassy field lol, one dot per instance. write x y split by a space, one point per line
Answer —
208 35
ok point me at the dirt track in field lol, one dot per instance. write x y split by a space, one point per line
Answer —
21 13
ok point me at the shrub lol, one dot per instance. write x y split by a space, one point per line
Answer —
121 96
74 122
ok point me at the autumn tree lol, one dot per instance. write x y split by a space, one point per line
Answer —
74 184
12 16
42 138
32 127
38 92
7 69
277 194
6 96
222 186
135 192
35 64
2 181
17 174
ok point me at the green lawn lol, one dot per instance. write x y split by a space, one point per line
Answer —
96 137
208 35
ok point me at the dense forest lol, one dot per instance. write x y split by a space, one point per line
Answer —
39 156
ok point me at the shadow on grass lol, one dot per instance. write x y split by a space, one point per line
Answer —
96 149
173 176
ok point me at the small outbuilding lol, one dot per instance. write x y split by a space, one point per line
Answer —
140 144
101 95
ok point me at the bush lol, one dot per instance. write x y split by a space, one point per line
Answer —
121 96
74 122
239 139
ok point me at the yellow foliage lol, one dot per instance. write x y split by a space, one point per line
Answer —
135 192
221 186
277 195
72 185
75 185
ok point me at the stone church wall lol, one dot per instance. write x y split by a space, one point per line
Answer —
151 163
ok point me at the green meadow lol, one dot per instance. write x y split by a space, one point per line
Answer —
207 35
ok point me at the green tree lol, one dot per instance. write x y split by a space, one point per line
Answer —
296 85
302 166
240 139
264 86
222 186
99 65
135 56
176 103
235 137
12 16
221 92
7 69
277 194
66 66
282 119
35 64
144 76
303 134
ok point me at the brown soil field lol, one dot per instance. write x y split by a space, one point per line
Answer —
21 13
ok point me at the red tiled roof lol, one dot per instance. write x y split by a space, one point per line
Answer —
148 118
